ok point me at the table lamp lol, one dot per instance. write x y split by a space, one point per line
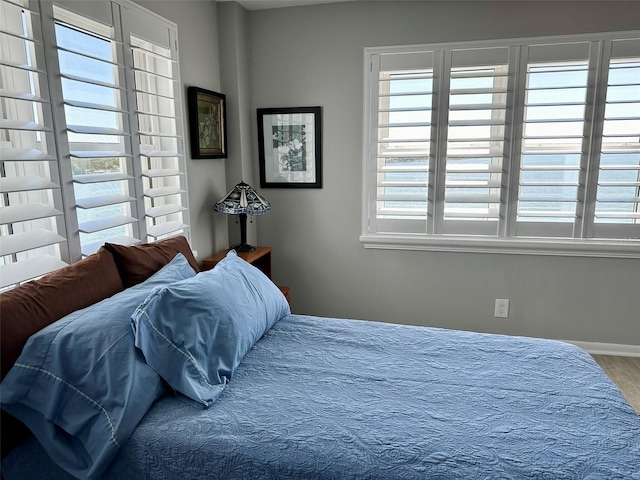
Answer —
242 201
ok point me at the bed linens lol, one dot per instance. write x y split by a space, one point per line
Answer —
195 332
320 398
81 386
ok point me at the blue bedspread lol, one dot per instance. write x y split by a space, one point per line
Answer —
320 398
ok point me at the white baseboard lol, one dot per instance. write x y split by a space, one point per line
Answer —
608 348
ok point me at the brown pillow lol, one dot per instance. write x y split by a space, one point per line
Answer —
136 263
32 306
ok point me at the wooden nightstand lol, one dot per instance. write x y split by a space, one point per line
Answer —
285 292
260 258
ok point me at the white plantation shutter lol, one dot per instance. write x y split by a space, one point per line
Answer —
475 149
529 142
553 139
159 147
90 59
91 145
617 205
402 145
31 210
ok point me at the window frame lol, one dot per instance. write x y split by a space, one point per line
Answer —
417 239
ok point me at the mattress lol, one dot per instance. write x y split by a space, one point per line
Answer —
322 398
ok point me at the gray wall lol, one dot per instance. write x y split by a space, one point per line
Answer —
307 56
200 67
235 57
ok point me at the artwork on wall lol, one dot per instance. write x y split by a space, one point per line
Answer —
290 147
207 123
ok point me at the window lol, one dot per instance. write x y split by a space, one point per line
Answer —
524 146
107 165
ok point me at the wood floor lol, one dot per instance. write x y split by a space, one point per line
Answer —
625 373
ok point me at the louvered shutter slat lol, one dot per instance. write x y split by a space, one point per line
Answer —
166 228
91 81
21 5
101 177
25 183
619 215
25 155
416 197
93 106
546 198
19 95
24 270
160 153
632 199
162 191
157 133
24 213
474 183
21 242
407 183
98 153
163 210
103 200
162 172
22 66
92 130
97 225
22 125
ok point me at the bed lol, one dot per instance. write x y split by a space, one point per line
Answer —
322 398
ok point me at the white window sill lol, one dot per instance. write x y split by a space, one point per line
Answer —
518 246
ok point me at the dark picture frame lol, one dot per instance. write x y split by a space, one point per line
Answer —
207 123
290 147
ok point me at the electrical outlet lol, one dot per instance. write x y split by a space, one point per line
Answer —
502 308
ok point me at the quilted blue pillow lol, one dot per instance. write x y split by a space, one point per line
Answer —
194 333
80 384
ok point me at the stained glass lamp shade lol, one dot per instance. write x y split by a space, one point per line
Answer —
242 201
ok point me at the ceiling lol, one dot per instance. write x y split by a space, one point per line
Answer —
262 4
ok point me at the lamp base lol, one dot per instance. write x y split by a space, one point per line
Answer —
243 247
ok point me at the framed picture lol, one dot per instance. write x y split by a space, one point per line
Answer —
290 147
207 123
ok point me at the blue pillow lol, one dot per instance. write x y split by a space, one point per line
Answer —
194 333
80 384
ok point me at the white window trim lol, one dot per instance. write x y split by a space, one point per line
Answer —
608 248
516 246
